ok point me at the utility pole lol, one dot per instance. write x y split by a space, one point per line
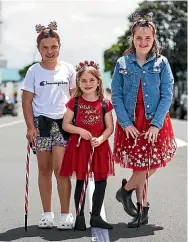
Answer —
1 22
0 40
3 62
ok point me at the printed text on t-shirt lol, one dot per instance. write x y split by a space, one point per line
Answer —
43 83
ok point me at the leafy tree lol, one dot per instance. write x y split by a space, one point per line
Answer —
170 18
23 71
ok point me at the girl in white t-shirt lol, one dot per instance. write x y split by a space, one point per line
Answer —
46 89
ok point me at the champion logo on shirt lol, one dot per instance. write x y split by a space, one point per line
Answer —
43 83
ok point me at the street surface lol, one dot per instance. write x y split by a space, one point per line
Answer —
167 196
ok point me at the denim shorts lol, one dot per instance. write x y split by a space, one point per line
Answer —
55 138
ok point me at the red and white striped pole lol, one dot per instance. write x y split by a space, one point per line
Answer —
27 184
85 181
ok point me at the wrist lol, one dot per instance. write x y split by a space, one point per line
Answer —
102 139
152 125
31 127
79 131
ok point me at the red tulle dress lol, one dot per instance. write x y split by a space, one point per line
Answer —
139 154
75 162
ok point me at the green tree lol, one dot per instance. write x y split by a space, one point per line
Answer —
23 71
170 18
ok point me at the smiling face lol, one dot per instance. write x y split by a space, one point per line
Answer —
88 83
143 40
49 49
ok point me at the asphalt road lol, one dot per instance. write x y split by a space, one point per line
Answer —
167 196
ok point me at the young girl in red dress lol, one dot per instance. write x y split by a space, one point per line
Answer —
90 130
142 91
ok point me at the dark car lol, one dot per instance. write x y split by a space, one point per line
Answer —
9 107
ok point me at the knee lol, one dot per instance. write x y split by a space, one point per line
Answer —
45 171
140 178
57 173
139 173
62 179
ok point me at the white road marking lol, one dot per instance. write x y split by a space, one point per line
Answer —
11 123
180 143
98 235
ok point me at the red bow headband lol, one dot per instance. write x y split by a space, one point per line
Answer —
87 63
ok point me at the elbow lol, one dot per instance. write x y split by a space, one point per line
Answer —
64 126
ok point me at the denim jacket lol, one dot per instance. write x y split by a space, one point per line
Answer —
157 85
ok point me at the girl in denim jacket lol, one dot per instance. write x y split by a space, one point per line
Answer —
142 91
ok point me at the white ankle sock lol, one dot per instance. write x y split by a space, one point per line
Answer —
64 214
49 213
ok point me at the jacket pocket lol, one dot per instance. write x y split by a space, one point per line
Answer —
127 75
154 75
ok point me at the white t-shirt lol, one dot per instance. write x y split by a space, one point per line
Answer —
51 89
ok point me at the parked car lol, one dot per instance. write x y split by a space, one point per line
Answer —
182 107
9 107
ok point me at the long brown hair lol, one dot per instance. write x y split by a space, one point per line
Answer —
93 71
155 50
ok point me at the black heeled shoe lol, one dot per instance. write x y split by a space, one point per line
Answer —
125 197
80 223
98 222
141 218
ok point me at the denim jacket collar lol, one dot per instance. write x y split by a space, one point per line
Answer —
132 57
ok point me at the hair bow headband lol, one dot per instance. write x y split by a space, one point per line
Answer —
87 63
147 17
51 26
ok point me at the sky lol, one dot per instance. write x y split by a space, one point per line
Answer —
86 28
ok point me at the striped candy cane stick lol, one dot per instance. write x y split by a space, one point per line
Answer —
27 184
85 181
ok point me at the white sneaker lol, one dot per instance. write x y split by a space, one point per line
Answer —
66 221
46 220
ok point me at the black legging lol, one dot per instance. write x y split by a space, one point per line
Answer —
98 196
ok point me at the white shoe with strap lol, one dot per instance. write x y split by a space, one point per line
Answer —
66 221
46 220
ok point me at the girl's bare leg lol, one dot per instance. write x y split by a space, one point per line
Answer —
145 198
45 179
137 179
63 183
